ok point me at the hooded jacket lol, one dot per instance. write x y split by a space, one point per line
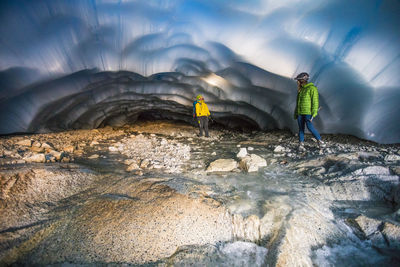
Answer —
307 101
202 109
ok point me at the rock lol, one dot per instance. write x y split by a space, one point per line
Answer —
7 153
78 152
368 226
35 157
144 164
47 146
93 143
50 158
242 153
279 149
392 234
373 170
395 195
113 149
214 153
94 156
368 155
66 159
37 149
395 170
349 156
56 154
392 157
250 148
132 166
163 141
25 142
36 144
134 222
69 149
252 162
222 165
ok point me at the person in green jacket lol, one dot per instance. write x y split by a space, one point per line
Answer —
307 106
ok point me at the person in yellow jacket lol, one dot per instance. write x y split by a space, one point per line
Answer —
202 114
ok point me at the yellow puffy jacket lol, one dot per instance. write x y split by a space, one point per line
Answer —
202 109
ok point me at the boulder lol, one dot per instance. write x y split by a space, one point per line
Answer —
222 165
94 156
252 162
242 153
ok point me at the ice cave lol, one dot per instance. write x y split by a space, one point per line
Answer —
99 153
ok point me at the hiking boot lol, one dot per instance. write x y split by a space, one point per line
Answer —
321 144
301 147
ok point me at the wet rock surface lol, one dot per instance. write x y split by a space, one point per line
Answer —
155 193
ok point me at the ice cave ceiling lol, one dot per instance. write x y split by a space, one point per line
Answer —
83 64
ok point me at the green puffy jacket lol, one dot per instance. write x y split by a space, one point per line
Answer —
307 101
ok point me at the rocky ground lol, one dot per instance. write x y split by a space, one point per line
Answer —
155 193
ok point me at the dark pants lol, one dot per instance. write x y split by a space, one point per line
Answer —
203 124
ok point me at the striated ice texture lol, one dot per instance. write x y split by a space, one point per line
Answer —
84 64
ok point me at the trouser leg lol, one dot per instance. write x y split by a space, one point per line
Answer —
311 128
200 126
301 122
206 126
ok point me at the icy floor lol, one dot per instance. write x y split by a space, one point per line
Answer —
292 210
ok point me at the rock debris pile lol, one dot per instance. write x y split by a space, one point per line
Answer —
152 153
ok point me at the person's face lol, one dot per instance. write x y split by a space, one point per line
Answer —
301 82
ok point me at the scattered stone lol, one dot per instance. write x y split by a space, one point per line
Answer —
392 157
392 234
37 149
373 170
395 170
132 167
69 149
25 142
93 143
56 154
94 156
7 153
36 144
47 146
222 165
279 149
35 157
252 162
214 153
367 226
242 153
250 148
144 164
113 149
